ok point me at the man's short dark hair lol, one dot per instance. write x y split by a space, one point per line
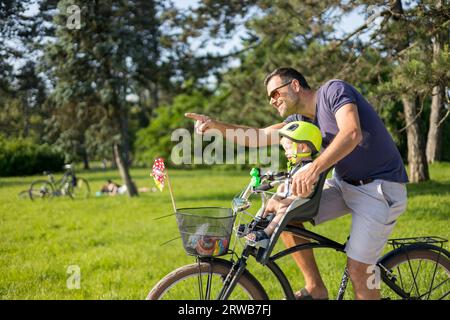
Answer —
287 74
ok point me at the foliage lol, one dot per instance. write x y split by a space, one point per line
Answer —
394 59
155 140
22 89
131 62
20 157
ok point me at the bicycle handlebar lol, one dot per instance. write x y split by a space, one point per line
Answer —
270 180
263 187
274 179
274 176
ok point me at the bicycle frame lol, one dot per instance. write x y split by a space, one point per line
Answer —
314 241
60 184
68 185
240 265
322 242
319 242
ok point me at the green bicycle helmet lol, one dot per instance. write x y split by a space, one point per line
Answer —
303 132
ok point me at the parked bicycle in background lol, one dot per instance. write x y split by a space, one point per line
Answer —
69 185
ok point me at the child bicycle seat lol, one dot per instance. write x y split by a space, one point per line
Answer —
302 210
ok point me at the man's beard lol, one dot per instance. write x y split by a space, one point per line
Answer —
287 109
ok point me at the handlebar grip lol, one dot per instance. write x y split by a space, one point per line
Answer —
281 174
263 187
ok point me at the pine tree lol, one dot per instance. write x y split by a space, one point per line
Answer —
95 66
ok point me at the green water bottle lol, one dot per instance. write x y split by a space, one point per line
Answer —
256 178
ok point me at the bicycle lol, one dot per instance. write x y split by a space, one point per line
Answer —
212 277
69 185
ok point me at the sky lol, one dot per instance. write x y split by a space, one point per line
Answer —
349 23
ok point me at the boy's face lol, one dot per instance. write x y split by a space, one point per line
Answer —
289 148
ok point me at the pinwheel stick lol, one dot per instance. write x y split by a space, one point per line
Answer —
171 193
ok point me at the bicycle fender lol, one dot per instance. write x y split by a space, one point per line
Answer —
412 247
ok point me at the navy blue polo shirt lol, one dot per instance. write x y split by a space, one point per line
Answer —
376 156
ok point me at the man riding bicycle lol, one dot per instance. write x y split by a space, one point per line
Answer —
369 178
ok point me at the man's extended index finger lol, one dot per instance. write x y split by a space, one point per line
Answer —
194 116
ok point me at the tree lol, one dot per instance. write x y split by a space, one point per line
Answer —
31 93
95 68
394 60
22 91
281 34
441 68
420 71
155 140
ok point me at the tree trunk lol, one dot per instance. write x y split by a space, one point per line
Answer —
124 171
143 115
417 160
26 117
154 97
434 140
125 146
121 153
418 166
85 160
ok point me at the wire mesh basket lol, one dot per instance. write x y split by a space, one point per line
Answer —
205 231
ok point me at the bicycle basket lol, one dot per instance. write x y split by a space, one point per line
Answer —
205 231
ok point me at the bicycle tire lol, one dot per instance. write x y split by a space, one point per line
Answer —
438 258
247 283
81 190
42 189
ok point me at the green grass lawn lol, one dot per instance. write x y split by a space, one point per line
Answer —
116 242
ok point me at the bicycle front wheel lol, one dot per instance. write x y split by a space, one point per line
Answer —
423 274
80 190
40 189
204 281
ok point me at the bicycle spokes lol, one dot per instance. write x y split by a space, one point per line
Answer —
423 279
201 286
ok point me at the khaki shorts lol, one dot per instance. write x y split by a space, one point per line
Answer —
374 207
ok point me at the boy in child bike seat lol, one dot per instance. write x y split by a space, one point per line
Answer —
301 141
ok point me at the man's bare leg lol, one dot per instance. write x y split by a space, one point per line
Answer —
307 264
363 281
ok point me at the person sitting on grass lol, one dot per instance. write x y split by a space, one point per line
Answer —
301 141
111 188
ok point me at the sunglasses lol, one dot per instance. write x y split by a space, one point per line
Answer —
275 94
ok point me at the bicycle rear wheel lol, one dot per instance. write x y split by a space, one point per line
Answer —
203 282
80 190
423 274
40 189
